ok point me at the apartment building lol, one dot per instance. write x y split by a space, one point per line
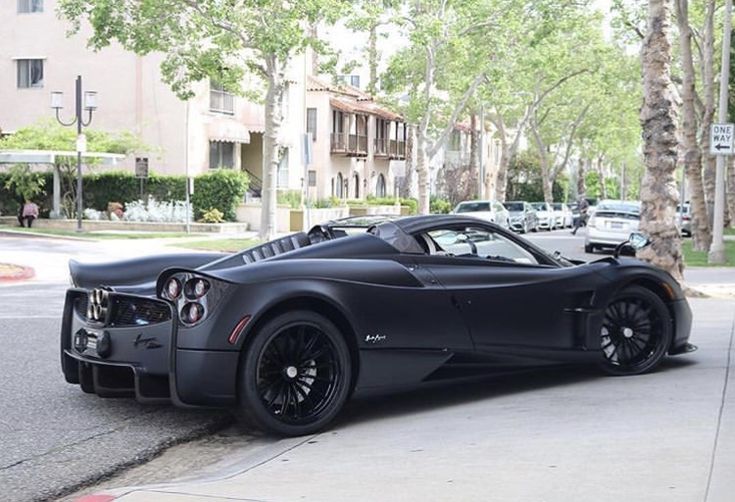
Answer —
214 129
354 141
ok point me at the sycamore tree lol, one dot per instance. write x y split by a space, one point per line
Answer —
224 40
541 52
440 69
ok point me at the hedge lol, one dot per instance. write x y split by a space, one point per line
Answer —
222 189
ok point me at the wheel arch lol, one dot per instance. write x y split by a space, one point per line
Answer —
659 290
314 303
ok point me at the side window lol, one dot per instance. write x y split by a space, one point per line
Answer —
477 242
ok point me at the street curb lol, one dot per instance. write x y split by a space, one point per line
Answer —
24 273
15 233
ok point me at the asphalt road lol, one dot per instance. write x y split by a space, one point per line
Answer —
53 437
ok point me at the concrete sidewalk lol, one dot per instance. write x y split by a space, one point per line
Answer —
550 436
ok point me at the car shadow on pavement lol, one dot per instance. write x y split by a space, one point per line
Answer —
434 395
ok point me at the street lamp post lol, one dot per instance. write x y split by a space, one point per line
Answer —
89 103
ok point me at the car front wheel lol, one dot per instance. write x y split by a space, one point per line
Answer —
635 333
294 375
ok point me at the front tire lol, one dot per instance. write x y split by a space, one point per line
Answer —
295 375
636 332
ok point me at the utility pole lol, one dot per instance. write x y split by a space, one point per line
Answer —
717 250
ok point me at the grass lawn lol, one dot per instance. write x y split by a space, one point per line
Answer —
102 234
699 258
226 245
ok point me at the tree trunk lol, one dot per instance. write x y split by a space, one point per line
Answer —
474 156
708 85
658 120
422 170
410 180
601 174
581 186
273 121
688 132
372 86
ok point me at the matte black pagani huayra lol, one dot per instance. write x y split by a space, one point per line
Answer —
286 332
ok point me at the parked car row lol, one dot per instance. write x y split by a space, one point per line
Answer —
520 216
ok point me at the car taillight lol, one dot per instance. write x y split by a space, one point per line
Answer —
173 288
192 313
591 222
196 288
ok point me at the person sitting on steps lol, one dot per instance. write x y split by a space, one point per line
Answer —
30 213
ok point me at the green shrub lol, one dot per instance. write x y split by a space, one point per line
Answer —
439 206
213 216
290 198
101 188
221 189
389 201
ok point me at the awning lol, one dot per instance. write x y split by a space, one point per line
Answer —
228 130
365 108
49 156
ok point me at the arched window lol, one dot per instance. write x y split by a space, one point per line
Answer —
357 186
380 186
339 186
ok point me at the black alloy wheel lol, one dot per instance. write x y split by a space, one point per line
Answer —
295 375
636 332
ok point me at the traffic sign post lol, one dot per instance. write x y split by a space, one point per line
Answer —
721 139
716 254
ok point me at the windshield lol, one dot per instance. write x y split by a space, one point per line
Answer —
539 206
556 206
472 207
513 206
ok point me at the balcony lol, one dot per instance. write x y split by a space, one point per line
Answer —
380 147
397 149
352 145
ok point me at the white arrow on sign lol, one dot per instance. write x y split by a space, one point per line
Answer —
721 139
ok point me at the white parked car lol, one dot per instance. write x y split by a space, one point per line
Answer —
488 210
562 215
611 223
545 213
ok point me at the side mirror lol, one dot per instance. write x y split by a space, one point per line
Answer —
638 240
635 241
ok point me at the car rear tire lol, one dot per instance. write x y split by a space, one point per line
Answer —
636 332
294 375
589 248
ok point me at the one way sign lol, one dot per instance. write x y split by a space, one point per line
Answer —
721 139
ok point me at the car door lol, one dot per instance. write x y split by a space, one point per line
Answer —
507 295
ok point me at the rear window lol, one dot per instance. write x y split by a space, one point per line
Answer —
514 206
472 207
621 215
556 206
539 206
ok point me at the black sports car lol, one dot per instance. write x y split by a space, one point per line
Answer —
287 331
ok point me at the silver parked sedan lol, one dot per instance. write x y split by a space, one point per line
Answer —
488 210
611 223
